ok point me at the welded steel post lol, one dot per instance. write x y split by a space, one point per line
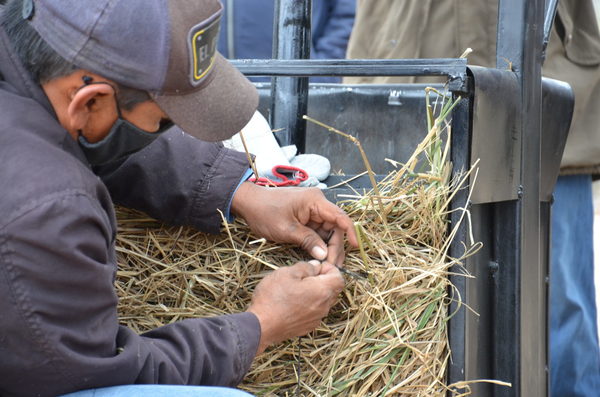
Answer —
291 40
522 270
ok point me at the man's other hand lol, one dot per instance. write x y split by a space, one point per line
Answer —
291 301
301 216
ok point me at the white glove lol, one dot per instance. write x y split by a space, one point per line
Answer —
315 165
260 142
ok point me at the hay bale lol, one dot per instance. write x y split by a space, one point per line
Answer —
388 333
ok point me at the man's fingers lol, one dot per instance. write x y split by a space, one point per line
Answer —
333 216
324 233
328 268
325 273
302 270
311 242
344 223
324 230
332 277
335 248
313 224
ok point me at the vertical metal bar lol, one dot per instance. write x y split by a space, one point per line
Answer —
520 41
230 30
505 290
546 250
550 13
460 156
291 40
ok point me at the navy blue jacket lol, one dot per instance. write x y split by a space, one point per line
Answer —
252 29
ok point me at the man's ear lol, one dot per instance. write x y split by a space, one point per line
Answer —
84 102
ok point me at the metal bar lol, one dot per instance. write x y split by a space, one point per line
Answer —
546 252
230 30
519 46
550 13
291 40
533 277
451 67
507 227
506 304
460 156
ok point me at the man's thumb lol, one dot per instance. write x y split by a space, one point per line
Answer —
310 241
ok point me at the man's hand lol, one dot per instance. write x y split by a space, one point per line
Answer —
301 216
291 301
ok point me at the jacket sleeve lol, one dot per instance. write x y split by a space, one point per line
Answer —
58 317
332 25
332 30
178 179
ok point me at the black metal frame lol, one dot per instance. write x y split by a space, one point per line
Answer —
508 341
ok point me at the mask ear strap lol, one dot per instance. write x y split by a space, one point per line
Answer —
88 80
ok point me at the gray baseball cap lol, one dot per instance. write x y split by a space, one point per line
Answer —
165 47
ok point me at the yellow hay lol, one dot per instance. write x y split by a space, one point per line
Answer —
387 335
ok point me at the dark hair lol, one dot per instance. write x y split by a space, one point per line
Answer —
42 62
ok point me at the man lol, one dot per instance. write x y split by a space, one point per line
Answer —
439 29
89 89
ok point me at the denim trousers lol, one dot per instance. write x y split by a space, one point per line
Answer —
159 391
574 351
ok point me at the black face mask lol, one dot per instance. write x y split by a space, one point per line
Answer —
123 140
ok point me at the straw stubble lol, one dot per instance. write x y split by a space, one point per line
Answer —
387 335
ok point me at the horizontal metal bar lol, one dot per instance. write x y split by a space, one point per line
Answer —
451 67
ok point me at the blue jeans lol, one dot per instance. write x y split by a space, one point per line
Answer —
159 391
574 351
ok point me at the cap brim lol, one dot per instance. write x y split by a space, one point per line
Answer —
216 111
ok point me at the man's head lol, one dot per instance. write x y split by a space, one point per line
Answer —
161 50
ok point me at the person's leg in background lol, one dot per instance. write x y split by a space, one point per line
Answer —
160 391
596 194
574 349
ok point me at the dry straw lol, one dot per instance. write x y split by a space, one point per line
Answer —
388 333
